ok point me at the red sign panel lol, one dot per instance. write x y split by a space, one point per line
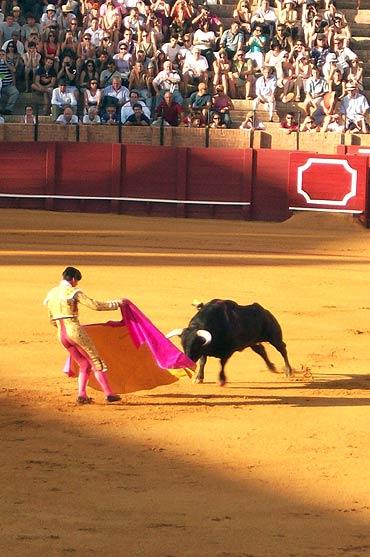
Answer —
327 183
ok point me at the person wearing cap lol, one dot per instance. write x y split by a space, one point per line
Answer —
63 303
18 17
8 27
65 17
354 107
48 19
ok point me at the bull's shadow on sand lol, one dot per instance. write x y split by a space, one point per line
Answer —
318 392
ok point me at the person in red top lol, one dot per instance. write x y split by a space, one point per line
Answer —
171 111
288 123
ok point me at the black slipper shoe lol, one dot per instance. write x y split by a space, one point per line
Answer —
84 400
113 398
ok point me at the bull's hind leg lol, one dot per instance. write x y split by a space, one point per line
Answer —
260 350
281 347
222 376
199 378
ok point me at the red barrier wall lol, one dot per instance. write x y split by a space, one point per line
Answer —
253 182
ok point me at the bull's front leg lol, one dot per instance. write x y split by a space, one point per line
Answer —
199 378
222 376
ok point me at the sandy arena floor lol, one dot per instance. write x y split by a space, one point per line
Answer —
262 467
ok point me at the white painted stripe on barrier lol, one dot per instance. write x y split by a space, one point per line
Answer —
185 202
353 212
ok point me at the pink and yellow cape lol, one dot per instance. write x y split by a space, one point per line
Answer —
138 355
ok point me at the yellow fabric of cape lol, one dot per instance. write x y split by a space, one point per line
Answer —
130 369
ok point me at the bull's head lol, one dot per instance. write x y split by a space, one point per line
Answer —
193 341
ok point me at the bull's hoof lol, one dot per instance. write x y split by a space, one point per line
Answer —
222 382
198 380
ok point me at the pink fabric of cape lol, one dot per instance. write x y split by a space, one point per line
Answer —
138 355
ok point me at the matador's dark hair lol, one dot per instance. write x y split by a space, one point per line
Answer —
70 273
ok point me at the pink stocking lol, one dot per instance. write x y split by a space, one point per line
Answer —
101 378
84 374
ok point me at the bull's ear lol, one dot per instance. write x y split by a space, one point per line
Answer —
197 304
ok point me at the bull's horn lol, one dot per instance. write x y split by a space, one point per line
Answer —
174 333
206 335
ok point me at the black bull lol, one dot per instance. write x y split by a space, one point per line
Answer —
222 327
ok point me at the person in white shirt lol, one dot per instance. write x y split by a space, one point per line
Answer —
343 53
117 91
265 92
265 16
92 116
316 87
195 69
167 80
67 117
60 99
127 109
354 106
95 32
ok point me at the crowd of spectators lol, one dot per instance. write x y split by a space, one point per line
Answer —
171 62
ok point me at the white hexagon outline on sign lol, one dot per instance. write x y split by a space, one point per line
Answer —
338 162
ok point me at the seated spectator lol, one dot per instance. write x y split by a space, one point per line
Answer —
171 111
115 94
354 107
201 100
222 103
68 73
242 14
134 21
316 87
330 66
51 46
123 62
289 124
108 73
140 80
232 40
274 59
288 16
221 70
92 116
9 93
14 59
217 121
336 92
333 123
128 107
195 70
69 47
8 27
171 49
320 50
110 116
256 46
30 27
288 80
62 98
205 40
167 80
303 71
31 60
344 54
355 73
45 80
48 19
86 51
88 73
19 47
138 118
29 117
283 38
339 28
67 117
95 33
241 77
92 96
251 122
311 24
309 125
146 43
265 18
265 92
